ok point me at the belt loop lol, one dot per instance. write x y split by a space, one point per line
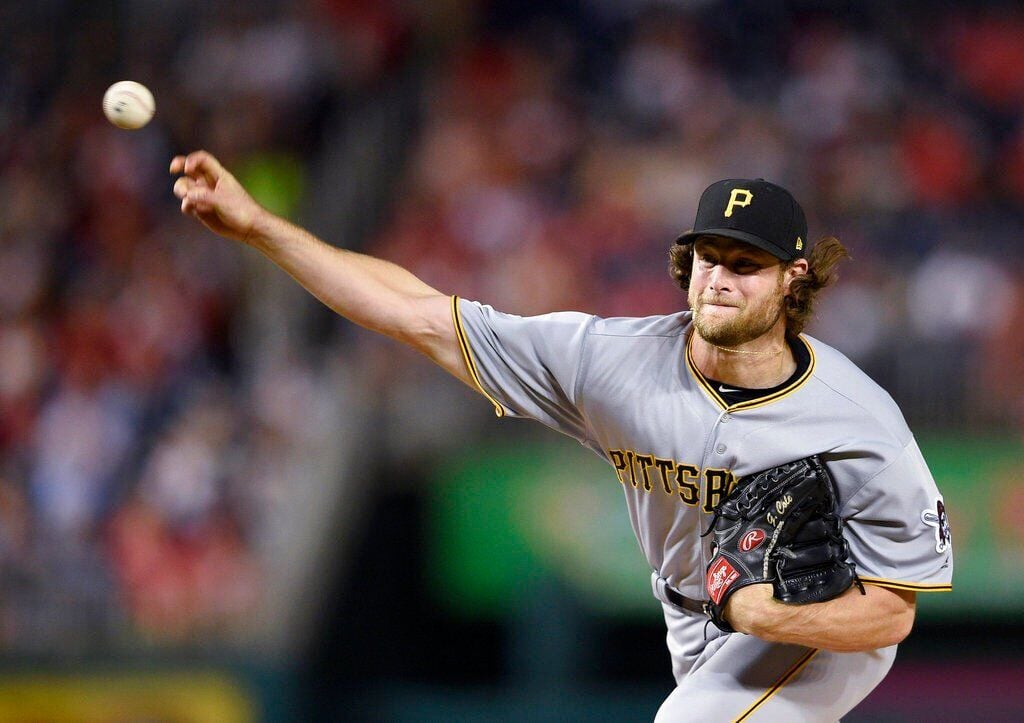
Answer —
658 584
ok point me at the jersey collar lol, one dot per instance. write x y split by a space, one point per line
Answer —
774 396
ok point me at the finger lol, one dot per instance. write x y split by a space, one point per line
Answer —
182 185
200 195
201 199
190 208
203 164
177 164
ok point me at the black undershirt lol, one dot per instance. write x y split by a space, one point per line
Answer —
734 395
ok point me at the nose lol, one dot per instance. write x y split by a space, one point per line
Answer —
720 278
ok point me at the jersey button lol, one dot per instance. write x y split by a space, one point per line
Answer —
721 449
725 418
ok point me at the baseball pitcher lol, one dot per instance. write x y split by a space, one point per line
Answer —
785 510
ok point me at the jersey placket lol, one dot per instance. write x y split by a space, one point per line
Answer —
714 449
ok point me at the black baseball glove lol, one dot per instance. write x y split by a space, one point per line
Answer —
781 526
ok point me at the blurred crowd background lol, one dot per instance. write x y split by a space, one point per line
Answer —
198 463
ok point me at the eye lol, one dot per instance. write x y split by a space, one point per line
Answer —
745 265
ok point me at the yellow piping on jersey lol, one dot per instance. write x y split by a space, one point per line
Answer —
467 356
753 403
908 586
786 677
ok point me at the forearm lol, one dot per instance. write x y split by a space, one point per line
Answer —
371 292
851 622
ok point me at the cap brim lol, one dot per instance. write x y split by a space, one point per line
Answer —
763 244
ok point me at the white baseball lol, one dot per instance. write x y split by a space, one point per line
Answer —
128 104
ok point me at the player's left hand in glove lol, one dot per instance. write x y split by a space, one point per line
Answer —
781 526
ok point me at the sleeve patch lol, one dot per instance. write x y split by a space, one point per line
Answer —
937 518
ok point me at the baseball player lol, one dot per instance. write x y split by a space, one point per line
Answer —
686 407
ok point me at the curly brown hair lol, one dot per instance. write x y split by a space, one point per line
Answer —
821 272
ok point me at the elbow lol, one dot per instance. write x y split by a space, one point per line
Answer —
896 629
902 619
896 615
901 626
422 322
891 629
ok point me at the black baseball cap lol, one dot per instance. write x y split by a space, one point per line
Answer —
755 211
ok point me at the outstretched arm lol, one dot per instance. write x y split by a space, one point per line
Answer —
849 623
371 292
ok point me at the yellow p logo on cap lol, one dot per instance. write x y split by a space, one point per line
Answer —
735 199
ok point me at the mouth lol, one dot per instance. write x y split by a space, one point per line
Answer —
718 304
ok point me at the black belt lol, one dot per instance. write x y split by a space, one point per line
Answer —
681 601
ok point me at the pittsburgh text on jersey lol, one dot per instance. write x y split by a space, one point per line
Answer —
653 473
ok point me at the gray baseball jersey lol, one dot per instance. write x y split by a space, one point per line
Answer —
627 389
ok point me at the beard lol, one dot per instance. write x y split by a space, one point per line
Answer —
750 321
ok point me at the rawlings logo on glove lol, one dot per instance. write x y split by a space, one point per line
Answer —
721 575
752 540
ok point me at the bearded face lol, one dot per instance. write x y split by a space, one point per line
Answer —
731 318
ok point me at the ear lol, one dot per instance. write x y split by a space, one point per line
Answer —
796 268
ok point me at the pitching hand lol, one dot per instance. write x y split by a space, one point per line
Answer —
212 195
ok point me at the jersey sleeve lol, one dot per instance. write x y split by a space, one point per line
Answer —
526 366
897 528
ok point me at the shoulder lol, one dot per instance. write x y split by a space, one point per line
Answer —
647 351
845 384
474 313
668 325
